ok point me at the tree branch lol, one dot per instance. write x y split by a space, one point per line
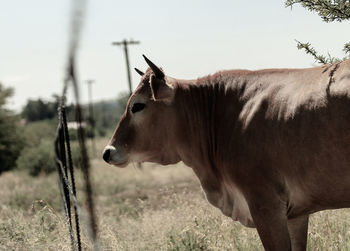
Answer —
347 48
328 10
318 58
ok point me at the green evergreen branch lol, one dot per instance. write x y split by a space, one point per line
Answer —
329 10
310 50
318 58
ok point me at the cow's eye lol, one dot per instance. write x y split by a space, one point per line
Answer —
137 107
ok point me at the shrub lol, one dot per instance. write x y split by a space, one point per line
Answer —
187 240
35 132
11 139
41 159
38 159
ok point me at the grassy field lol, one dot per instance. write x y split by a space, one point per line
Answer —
155 208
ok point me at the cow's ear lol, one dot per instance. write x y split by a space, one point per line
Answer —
161 91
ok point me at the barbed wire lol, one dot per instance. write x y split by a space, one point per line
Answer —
62 141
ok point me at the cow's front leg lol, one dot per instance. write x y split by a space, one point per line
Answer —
298 232
270 220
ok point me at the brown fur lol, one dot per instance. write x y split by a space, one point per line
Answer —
269 147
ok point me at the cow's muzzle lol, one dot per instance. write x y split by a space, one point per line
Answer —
115 157
106 154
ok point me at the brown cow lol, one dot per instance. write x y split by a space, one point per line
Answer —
269 147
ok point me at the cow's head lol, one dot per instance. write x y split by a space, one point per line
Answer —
146 129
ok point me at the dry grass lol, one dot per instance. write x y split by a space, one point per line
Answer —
156 208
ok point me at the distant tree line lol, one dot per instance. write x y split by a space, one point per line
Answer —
26 139
38 109
106 113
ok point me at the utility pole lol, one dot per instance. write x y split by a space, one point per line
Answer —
125 44
91 115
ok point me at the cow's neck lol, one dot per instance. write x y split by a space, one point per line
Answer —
205 119
208 109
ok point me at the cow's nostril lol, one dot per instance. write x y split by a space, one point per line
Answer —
106 155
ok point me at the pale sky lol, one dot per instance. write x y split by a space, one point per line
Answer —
187 38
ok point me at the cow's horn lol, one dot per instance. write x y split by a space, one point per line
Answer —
158 72
139 72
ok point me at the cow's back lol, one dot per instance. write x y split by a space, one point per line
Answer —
299 122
